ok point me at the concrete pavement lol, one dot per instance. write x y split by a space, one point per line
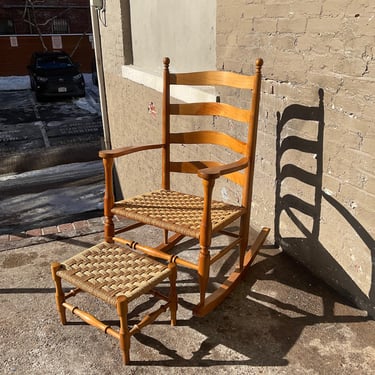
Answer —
280 320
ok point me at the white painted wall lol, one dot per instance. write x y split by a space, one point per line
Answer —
184 30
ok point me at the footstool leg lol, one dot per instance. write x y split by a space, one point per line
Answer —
173 293
59 296
122 311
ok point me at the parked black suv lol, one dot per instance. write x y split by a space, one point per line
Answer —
54 74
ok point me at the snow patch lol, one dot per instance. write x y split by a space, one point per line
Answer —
23 82
14 83
84 104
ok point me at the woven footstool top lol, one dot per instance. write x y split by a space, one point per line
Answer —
108 271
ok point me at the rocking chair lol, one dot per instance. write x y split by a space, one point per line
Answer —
200 217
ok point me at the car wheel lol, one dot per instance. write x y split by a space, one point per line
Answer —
39 97
32 84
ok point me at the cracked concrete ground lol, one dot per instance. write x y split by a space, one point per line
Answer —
280 320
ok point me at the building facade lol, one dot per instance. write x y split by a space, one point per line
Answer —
314 182
26 27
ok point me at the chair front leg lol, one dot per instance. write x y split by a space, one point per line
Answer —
124 335
244 235
109 228
203 274
205 242
59 296
173 293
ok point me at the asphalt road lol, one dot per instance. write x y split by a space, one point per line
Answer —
49 169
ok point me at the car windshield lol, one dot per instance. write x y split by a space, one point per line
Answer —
53 62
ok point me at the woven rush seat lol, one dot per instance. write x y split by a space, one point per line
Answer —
116 275
108 271
175 211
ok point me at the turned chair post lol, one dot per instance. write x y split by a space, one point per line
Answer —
244 233
122 311
173 293
205 241
59 295
166 126
109 228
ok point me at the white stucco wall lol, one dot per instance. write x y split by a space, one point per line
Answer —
188 30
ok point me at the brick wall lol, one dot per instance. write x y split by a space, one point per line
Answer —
16 58
314 181
23 15
325 219
17 48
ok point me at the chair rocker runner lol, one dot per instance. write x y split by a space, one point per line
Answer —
197 216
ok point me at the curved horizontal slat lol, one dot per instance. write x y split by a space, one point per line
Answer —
211 109
194 166
190 166
213 78
209 137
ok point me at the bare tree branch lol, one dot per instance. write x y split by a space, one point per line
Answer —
34 21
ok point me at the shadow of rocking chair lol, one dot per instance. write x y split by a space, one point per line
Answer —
197 216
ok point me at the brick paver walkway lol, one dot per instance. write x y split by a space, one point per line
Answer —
38 235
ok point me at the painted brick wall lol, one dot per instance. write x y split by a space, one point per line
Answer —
76 12
16 58
325 219
314 181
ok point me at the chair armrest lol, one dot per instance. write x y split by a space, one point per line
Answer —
110 154
217 171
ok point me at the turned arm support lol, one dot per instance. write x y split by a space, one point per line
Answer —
209 176
217 171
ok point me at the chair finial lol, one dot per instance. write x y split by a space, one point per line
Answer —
259 63
166 62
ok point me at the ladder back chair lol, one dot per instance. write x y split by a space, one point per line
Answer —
197 216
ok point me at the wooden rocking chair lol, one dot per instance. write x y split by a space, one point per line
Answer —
196 216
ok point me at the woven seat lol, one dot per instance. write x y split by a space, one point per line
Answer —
196 138
176 212
117 276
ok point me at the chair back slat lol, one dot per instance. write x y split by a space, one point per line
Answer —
213 78
193 167
211 109
209 137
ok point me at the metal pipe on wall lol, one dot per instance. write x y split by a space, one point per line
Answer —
95 7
